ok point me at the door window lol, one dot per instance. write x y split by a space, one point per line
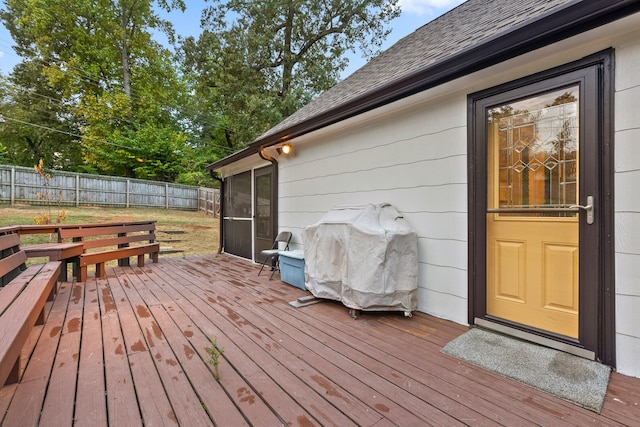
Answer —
537 154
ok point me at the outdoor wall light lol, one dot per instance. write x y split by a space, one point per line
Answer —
285 149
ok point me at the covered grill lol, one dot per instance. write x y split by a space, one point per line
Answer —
365 256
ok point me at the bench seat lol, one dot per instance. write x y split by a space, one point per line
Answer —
100 258
23 300
108 242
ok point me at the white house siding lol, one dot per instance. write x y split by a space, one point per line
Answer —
413 154
627 205
414 159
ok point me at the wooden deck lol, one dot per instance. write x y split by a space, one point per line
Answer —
128 350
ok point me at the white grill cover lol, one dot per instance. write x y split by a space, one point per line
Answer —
365 256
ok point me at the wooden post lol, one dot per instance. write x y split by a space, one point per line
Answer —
13 186
77 190
166 196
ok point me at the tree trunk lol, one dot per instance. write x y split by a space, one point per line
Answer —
124 55
287 63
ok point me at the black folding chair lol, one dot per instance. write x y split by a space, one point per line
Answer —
273 254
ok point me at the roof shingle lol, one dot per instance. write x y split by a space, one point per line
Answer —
473 22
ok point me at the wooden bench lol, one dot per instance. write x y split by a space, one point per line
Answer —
23 298
117 238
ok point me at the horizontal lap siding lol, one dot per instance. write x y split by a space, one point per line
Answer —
415 160
627 206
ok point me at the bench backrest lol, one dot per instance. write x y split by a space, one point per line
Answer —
94 236
12 259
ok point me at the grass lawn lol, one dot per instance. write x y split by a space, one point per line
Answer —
188 231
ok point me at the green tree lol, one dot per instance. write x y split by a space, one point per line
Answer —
119 85
27 99
258 62
4 154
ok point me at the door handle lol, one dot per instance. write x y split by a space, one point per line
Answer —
588 208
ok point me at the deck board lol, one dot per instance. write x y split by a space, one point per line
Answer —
261 348
61 392
351 378
258 363
130 349
120 391
59 401
90 397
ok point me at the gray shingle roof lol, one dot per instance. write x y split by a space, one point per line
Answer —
475 35
473 22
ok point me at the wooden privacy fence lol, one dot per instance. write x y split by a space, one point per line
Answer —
209 201
22 185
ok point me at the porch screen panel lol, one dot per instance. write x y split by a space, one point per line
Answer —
263 210
237 215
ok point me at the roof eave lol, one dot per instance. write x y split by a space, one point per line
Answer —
575 18
239 155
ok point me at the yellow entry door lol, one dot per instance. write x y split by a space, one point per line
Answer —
532 215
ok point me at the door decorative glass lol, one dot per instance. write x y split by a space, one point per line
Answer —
538 154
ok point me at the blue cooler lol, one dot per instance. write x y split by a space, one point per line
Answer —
292 268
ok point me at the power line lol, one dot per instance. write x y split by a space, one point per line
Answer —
92 81
68 133
4 118
30 93
81 75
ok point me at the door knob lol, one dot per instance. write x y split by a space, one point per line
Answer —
588 208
